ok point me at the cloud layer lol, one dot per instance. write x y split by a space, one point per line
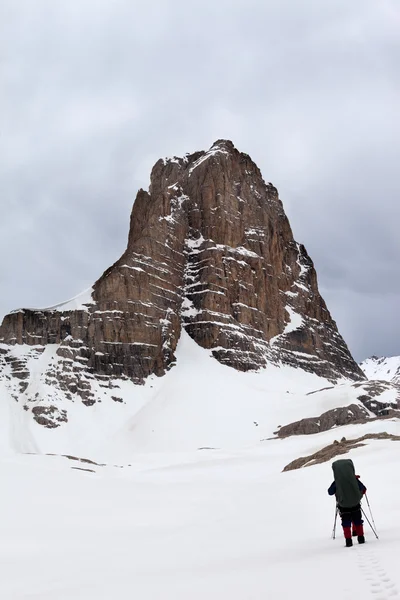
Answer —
94 92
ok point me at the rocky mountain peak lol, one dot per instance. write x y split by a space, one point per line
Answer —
385 368
210 249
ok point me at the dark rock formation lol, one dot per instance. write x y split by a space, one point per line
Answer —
329 419
49 416
210 249
336 449
371 394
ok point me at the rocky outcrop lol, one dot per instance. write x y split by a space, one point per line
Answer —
375 399
331 418
336 449
372 395
210 249
49 416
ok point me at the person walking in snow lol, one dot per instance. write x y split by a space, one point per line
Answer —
348 490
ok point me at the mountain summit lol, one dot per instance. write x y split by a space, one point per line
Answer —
210 249
385 368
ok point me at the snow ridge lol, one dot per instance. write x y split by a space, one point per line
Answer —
384 368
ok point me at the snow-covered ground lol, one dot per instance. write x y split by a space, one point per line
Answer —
384 368
206 524
78 302
190 502
198 403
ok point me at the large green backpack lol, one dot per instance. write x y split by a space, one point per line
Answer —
348 493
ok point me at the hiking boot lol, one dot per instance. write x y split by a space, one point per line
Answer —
361 539
349 542
354 533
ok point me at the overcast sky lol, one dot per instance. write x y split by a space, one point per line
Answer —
93 92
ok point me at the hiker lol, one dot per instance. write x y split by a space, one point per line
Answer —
348 490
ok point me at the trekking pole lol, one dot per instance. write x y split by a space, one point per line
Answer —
369 523
370 511
334 523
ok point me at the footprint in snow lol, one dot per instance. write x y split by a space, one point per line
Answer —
382 588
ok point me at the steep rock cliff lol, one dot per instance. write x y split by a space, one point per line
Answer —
210 249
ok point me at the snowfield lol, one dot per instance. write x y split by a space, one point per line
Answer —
385 368
209 524
190 502
198 403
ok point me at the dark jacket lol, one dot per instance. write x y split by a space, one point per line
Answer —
347 487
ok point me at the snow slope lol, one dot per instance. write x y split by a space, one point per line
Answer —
204 524
190 501
198 403
78 302
384 368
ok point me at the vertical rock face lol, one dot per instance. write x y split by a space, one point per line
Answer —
210 249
